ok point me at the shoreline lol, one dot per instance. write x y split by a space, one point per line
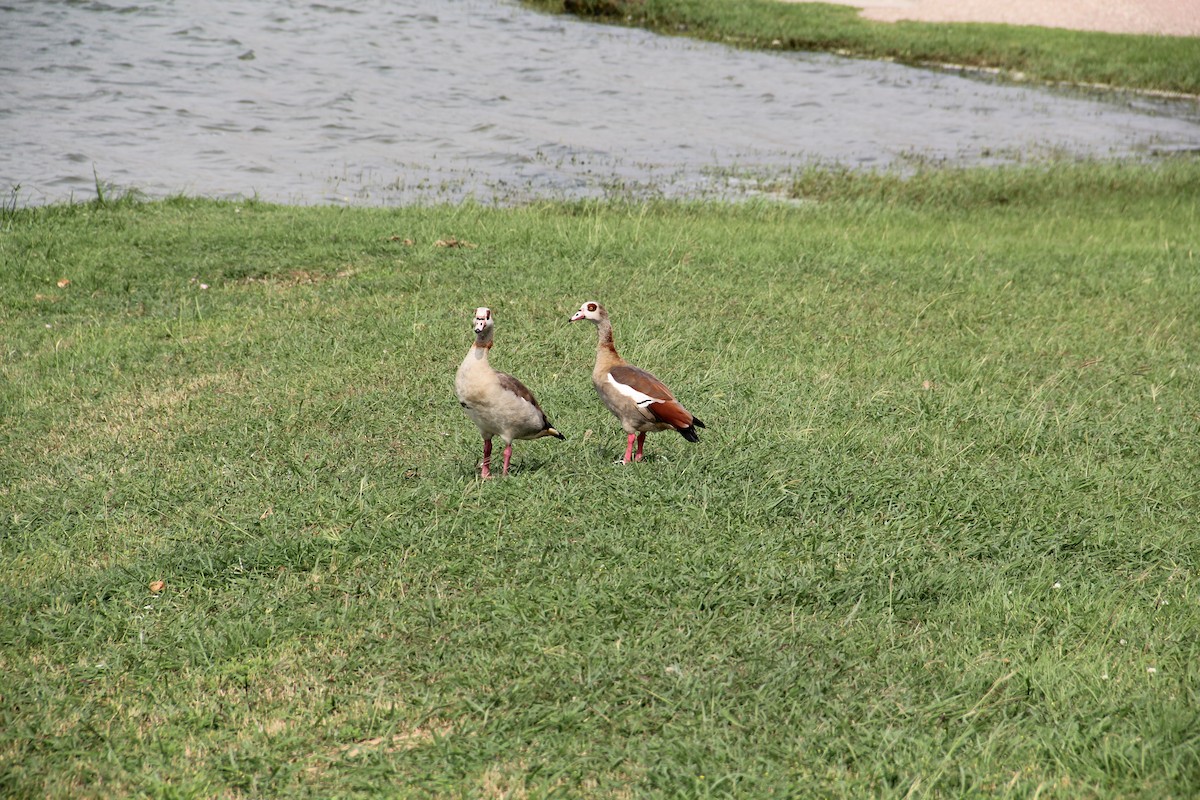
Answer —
1147 17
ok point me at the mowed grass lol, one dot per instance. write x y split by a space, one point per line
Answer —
1157 63
938 538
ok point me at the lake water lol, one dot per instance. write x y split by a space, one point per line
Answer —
383 102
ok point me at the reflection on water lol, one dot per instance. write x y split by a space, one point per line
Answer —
383 102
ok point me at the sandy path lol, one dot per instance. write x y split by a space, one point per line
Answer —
1165 17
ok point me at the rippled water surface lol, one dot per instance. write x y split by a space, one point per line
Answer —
394 101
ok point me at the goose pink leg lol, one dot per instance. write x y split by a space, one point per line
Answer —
629 449
641 440
507 457
486 472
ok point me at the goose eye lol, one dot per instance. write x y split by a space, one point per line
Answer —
591 306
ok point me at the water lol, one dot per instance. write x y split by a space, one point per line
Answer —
382 102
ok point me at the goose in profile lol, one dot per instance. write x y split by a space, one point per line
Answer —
641 401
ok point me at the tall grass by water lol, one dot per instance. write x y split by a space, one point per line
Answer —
1159 63
938 539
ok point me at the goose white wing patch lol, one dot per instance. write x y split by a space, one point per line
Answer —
639 399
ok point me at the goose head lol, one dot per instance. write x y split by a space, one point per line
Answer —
591 310
483 319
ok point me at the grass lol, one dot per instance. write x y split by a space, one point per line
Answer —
938 538
1159 63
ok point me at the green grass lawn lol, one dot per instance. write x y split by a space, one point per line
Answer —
1160 63
939 537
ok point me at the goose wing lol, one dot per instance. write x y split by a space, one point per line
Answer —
651 396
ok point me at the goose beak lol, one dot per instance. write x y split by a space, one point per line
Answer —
577 316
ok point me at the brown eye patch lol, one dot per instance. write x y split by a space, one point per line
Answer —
591 306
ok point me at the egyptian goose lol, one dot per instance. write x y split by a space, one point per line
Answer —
497 403
641 401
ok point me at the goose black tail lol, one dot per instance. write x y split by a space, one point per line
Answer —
689 432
